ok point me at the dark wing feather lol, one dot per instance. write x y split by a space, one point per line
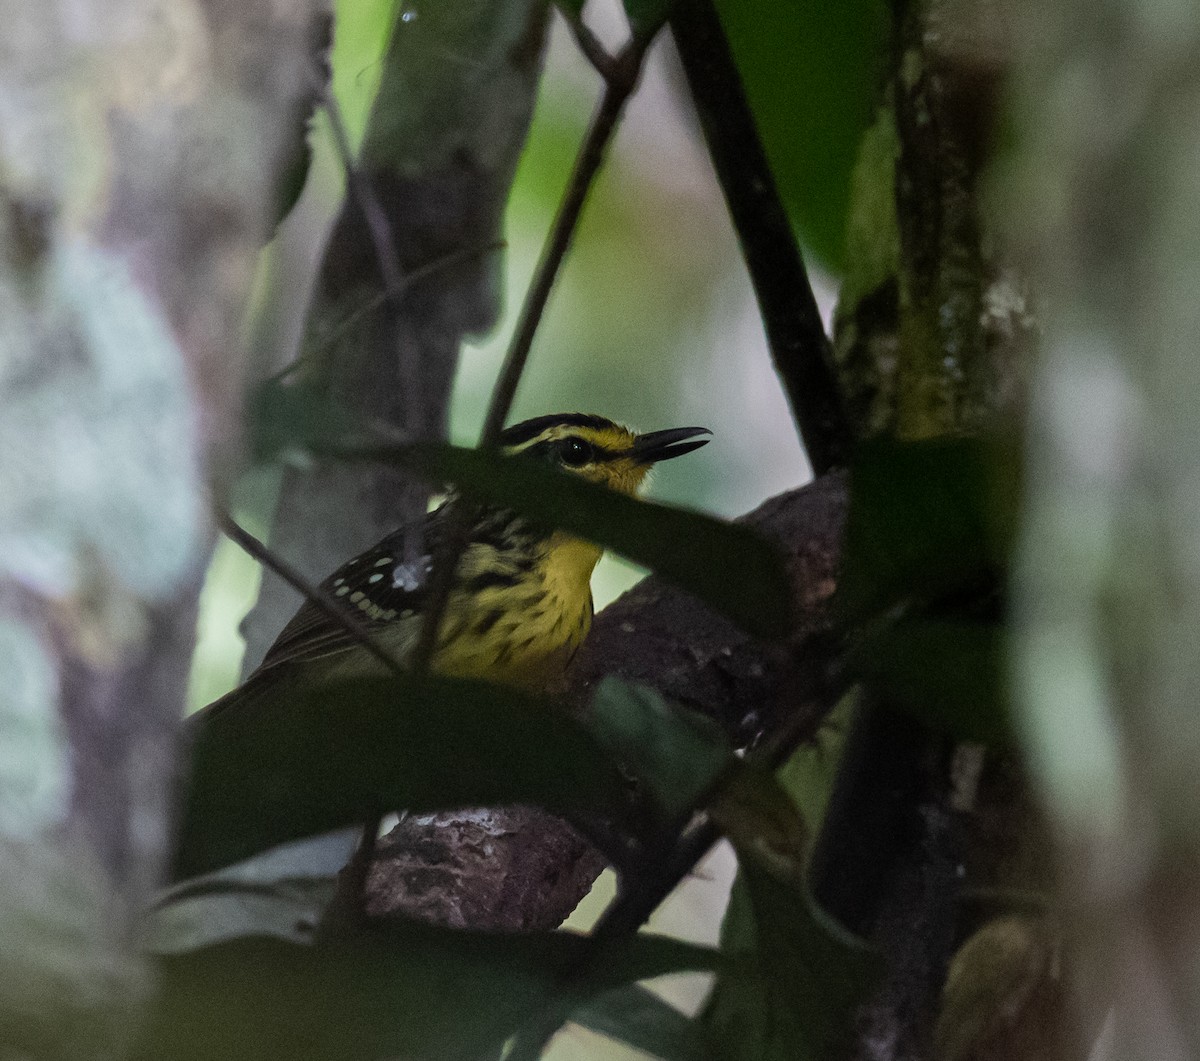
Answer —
312 634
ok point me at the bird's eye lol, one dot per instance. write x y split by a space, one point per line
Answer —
574 452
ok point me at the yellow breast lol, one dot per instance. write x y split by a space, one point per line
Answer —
523 634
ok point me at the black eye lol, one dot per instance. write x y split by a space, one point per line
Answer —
574 452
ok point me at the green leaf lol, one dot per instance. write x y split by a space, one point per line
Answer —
949 673
406 991
291 416
647 16
677 756
291 758
727 565
927 520
812 72
637 1017
795 978
796 994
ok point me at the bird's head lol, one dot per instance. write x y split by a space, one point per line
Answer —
597 449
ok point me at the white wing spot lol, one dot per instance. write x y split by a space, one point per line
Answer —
390 613
338 581
356 596
375 578
383 561
342 591
411 576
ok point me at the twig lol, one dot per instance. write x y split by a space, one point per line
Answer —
349 902
347 910
314 594
799 347
621 77
377 223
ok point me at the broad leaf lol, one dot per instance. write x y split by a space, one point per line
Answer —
949 673
291 758
676 755
408 991
727 565
928 520
637 1017
795 978
812 72
282 892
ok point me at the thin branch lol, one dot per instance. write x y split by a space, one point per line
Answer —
347 911
382 238
315 594
620 82
799 347
589 44
621 79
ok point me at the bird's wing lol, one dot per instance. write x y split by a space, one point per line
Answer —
377 588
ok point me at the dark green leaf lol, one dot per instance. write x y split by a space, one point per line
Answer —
292 758
293 416
812 71
795 995
927 520
407 991
761 820
950 674
726 565
795 978
646 16
676 756
639 1018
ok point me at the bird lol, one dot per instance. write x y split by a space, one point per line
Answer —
520 602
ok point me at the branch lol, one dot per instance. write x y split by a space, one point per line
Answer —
799 347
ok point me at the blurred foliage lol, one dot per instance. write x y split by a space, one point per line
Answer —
928 521
928 537
639 1018
678 755
409 990
299 758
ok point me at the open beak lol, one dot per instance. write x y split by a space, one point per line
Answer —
663 445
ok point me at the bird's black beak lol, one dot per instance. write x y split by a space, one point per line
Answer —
663 445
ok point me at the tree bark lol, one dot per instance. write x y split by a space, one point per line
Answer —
142 152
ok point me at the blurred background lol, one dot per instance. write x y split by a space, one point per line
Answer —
653 323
